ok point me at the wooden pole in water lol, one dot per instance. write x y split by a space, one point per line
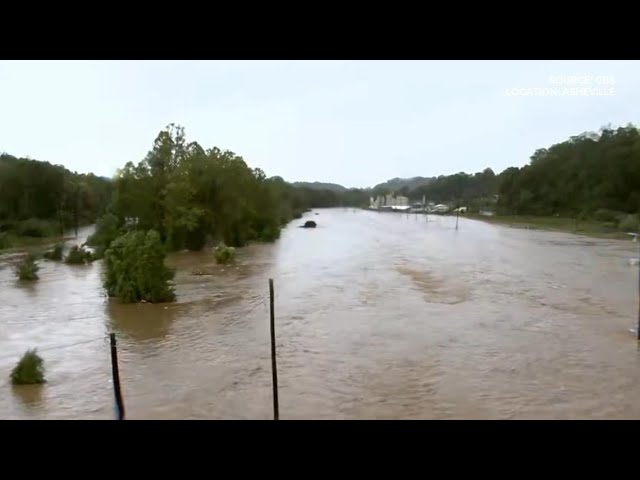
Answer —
274 371
457 216
116 376
638 326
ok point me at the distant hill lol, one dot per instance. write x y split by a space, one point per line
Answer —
320 186
393 185
397 184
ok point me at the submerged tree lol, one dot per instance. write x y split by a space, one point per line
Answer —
107 230
224 254
135 269
190 195
28 269
78 256
55 253
29 370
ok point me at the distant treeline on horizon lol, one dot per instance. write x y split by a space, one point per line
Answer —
585 174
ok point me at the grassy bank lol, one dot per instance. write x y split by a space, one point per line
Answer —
591 228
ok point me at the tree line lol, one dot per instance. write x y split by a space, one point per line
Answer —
588 176
184 192
191 195
39 199
182 196
578 177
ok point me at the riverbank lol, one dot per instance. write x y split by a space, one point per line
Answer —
590 228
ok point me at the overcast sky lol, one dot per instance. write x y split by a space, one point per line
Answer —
351 122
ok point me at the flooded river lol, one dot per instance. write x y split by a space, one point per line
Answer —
378 316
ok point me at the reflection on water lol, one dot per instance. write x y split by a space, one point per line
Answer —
378 316
141 322
29 395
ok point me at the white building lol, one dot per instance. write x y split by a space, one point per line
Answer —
388 201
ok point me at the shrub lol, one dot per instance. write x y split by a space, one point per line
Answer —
55 254
29 370
630 223
605 215
135 269
107 230
78 256
224 254
270 233
34 227
27 269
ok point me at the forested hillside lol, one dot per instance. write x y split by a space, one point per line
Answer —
320 186
580 176
593 175
400 185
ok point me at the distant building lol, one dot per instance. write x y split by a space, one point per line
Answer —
388 201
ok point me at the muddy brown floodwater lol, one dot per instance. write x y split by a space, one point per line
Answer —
381 316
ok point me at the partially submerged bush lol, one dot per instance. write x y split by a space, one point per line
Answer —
78 256
630 223
107 230
55 254
605 215
135 269
29 370
28 269
224 254
270 233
